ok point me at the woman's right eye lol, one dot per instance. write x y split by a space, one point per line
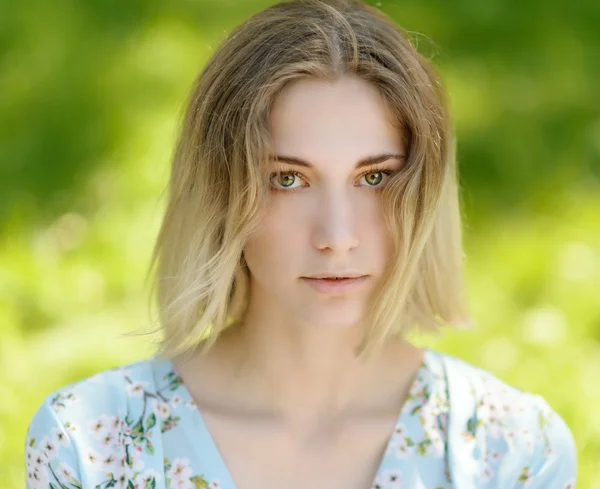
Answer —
285 180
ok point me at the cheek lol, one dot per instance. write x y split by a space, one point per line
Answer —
275 245
384 237
373 230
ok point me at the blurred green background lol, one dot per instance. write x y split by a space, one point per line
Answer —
90 94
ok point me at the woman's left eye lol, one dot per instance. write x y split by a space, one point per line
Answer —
374 178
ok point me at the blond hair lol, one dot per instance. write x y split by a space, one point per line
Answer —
217 194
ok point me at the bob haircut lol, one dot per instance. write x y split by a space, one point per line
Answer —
217 191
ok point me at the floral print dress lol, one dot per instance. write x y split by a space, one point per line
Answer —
137 427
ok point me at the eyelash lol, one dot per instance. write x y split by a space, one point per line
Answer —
386 171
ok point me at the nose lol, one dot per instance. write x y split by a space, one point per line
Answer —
335 223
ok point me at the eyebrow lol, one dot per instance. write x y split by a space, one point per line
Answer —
369 160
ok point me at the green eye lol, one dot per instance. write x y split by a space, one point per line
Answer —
374 181
374 178
286 180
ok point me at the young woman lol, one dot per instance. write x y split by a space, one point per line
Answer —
313 219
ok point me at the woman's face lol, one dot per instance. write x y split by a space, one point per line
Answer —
323 216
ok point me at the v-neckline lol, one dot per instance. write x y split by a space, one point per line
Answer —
205 439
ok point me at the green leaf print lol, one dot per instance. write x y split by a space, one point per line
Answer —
422 447
130 485
150 422
524 477
149 448
52 486
138 428
472 424
169 423
128 459
150 483
175 383
199 482
416 409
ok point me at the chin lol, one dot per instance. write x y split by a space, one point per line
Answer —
345 314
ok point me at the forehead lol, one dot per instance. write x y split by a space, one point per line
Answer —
340 121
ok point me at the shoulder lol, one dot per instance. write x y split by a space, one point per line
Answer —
105 392
83 427
516 435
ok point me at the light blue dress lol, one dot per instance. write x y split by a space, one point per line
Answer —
137 427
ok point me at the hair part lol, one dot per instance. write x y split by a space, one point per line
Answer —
217 193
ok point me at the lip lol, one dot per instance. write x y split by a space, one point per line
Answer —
333 287
346 274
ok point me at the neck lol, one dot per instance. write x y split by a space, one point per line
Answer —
308 374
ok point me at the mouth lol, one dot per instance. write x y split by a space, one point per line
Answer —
332 279
341 276
335 285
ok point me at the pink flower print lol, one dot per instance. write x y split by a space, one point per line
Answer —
175 401
507 411
35 458
66 473
71 427
110 463
397 437
148 475
400 430
37 478
180 470
390 479
510 436
92 458
162 409
29 454
495 456
122 480
181 484
63 399
403 449
136 389
113 423
486 474
98 427
49 448
60 437
108 440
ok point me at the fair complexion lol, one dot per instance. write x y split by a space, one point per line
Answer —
288 378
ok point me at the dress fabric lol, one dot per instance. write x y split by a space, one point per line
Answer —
137 427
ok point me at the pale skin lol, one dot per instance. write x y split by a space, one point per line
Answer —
284 396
